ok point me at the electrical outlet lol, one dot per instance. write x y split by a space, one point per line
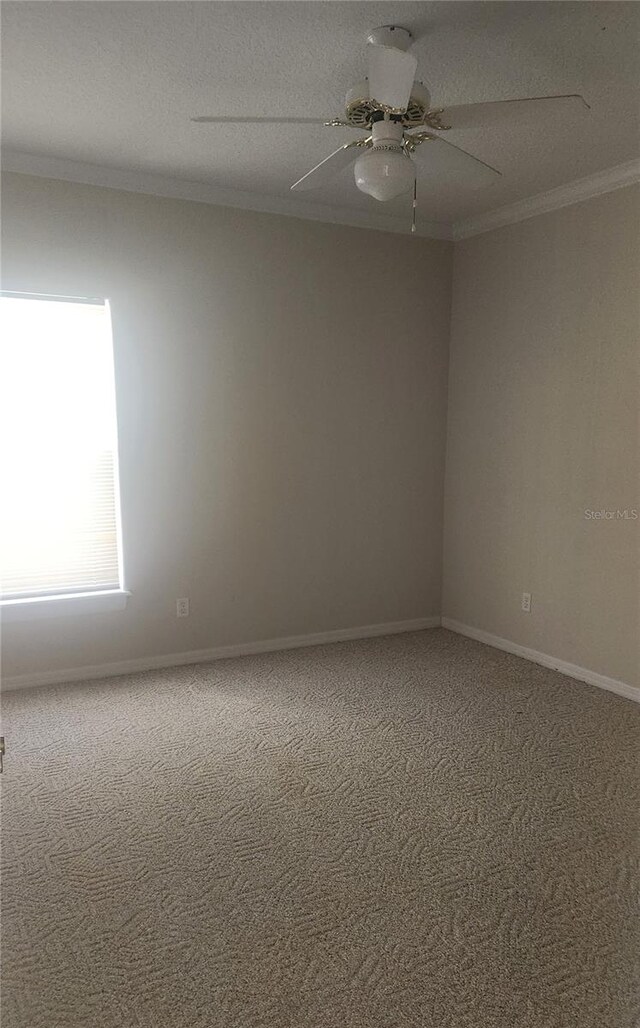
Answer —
526 603
182 608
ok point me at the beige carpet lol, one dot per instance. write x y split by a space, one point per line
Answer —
411 831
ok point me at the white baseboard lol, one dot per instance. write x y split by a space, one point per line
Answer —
127 667
582 674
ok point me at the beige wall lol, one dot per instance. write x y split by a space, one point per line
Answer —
281 404
283 444
543 425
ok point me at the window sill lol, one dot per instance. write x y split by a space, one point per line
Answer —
68 605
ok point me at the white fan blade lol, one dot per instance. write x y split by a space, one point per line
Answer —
443 163
330 166
391 75
205 120
502 112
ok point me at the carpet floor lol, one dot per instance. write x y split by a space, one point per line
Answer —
410 831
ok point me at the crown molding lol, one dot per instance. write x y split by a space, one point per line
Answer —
202 192
572 192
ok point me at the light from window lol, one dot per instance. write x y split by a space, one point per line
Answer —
59 515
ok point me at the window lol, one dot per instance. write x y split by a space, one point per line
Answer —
60 516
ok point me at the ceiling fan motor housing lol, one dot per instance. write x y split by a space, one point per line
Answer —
360 112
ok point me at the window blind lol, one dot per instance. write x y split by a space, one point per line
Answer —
59 516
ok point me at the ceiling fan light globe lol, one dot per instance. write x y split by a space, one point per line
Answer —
384 174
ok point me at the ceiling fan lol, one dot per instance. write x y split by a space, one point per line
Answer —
389 105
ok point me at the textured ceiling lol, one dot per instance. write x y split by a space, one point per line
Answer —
115 84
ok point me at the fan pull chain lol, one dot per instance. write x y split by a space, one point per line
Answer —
415 204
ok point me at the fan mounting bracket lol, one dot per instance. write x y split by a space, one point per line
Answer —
391 35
